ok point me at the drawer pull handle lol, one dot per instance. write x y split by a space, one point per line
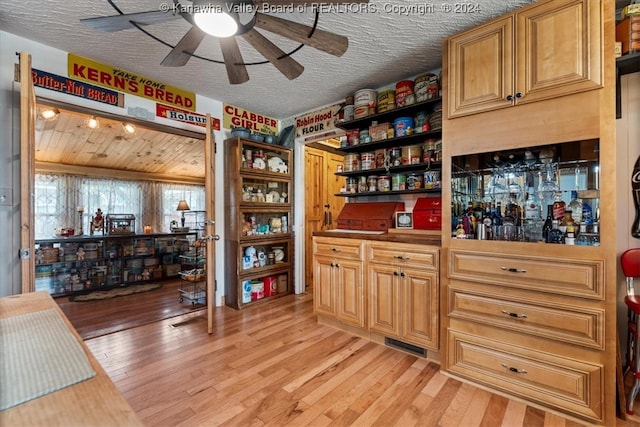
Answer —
514 370
335 249
519 316
513 270
401 257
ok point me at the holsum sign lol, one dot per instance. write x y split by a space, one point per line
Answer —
124 81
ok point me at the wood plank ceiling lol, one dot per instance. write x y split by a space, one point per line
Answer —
69 141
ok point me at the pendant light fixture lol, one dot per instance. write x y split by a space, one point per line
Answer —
215 18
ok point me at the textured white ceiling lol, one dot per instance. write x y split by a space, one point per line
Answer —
384 46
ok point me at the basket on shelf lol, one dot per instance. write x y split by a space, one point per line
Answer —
194 275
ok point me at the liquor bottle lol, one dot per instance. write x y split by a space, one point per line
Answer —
587 214
567 221
558 207
531 210
548 223
497 216
635 189
576 207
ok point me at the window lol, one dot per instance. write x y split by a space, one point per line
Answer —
58 199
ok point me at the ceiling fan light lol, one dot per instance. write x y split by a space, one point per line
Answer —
216 23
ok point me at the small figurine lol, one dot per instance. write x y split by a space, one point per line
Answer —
97 222
146 275
80 254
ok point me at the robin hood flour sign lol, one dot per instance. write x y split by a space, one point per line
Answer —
125 81
318 121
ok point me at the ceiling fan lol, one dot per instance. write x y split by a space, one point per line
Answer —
222 19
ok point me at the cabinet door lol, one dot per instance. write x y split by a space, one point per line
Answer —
481 68
350 292
324 298
385 299
420 307
558 49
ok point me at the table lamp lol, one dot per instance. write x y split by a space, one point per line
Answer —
182 206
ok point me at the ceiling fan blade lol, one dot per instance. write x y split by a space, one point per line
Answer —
285 64
236 71
259 3
182 51
325 41
122 22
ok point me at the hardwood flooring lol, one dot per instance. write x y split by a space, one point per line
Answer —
96 318
272 364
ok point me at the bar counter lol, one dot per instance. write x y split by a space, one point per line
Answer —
423 237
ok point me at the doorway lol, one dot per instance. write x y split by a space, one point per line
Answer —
322 206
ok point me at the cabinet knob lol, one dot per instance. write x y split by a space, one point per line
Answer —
395 273
337 265
518 94
509 97
335 249
402 274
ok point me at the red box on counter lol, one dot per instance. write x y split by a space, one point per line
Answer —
374 216
427 213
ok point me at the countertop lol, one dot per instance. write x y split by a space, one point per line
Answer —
425 237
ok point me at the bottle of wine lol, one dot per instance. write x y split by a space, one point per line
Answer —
548 223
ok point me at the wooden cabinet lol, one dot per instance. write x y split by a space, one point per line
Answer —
547 50
258 215
403 292
529 325
339 288
71 265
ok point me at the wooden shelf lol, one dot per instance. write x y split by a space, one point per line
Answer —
628 64
408 110
393 169
388 193
401 141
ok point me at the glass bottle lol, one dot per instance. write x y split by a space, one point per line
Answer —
548 223
559 206
576 207
567 221
587 214
497 215
531 210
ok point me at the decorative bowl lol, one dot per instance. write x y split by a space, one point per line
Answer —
256 137
241 132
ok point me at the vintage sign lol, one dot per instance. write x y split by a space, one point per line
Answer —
125 81
319 121
76 88
185 116
234 117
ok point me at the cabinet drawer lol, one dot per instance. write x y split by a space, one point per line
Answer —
342 248
403 254
563 323
571 277
566 384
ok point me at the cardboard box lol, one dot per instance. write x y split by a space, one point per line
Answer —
628 33
171 270
427 213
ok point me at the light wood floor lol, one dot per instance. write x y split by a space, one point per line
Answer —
272 364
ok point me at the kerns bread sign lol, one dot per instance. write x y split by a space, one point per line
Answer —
125 81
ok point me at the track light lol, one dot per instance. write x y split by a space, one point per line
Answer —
49 114
129 128
92 123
